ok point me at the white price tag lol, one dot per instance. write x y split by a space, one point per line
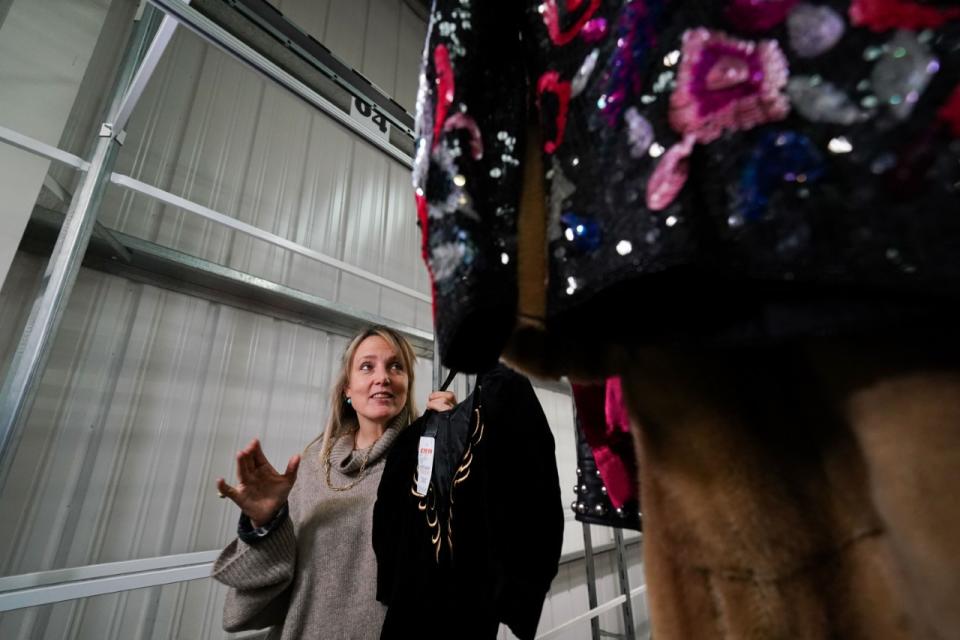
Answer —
424 465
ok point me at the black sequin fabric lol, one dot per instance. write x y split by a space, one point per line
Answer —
703 161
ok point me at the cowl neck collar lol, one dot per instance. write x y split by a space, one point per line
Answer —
348 461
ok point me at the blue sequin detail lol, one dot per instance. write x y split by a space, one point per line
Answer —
780 158
636 36
581 231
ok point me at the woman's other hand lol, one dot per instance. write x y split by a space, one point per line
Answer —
260 491
442 401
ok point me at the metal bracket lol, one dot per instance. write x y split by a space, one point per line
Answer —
107 131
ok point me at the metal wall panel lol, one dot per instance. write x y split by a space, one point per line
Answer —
211 130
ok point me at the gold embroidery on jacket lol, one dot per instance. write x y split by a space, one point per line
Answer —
463 471
428 502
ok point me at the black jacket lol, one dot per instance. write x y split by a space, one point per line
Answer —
482 546
738 169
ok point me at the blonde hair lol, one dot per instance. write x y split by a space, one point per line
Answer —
343 417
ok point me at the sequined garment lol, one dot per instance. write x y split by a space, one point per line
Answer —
770 146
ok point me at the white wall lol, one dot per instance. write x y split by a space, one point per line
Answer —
45 48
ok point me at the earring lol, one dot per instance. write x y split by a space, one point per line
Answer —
349 401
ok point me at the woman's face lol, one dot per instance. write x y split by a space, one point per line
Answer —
377 387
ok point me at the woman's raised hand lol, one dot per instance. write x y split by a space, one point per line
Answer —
442 401
260 491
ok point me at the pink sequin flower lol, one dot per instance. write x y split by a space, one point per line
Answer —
723 85
727 84
670 175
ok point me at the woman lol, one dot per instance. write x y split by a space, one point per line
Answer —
303 562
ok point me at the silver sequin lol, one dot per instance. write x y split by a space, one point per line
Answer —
823 102
560 189
639 132
424 132
445 258
840 145
903 73
580 79
814 29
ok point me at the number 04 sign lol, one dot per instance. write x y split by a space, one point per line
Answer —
371 119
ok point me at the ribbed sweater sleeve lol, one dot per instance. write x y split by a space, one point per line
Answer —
258 577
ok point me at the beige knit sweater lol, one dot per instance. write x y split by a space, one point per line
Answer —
315 577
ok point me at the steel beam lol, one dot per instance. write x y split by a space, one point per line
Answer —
47 587
43 149
60 192
256 232
127 182
164 267
591 579
29 360
587 549
629 631
151 58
